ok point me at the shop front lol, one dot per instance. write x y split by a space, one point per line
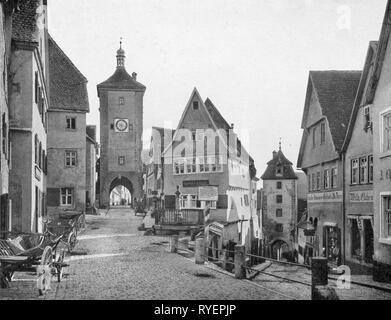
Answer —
332 243
359 228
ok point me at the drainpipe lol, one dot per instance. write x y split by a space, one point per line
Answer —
343 210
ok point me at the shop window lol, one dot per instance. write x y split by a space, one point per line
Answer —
66 197
356 240
279 213
386 219
332 244
354 171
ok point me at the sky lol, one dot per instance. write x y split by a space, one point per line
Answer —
250 57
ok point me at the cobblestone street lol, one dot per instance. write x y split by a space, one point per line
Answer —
115 261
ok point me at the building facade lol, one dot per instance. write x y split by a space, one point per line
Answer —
358 154
121 128
205 167
6 10
91 158
381 105
327 110
280 215
66 154
28 105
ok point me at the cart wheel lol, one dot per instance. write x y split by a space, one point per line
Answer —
46 260
47 256
71 241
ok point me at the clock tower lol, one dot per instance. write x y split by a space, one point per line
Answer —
121 128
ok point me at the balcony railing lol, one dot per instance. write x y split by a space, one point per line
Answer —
182 217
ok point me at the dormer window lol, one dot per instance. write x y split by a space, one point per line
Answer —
279 170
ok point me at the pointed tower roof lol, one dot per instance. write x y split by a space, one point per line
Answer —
279 160
121 79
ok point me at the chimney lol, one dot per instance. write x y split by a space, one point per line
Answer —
274 154
232 126
134 76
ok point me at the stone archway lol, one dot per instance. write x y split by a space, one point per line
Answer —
121 181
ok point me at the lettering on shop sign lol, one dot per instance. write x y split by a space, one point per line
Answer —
361 196
195 183
333 196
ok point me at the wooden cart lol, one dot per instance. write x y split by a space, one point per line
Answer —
26 251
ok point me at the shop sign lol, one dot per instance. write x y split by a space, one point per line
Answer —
361 196
333 196
195 183
208 193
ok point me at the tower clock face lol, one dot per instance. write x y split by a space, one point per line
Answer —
121 125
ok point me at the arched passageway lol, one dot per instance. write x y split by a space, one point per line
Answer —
120 193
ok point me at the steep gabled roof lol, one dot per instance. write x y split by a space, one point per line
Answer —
219 120
336 92
68 87
367 72
381 52
121 80
279 159
24 21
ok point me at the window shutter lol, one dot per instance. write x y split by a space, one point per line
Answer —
222 202
53 197
170 201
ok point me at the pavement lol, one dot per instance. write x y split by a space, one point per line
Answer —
115 261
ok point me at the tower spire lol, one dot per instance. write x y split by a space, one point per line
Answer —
279 144
120 56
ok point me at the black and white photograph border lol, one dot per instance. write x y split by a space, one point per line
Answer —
207 152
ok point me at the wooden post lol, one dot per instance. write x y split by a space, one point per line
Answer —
174 243
240 257
199 251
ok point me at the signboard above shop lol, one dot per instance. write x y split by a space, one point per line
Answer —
361 196
208 193
332 196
